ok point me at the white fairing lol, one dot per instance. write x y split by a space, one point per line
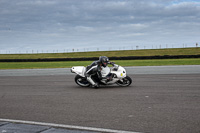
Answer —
121 72
105 71
80 70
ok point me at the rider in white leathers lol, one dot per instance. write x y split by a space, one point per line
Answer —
95 68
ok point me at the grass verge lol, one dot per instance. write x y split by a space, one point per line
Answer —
68 64
123 53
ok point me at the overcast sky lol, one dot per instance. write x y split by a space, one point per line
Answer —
63 25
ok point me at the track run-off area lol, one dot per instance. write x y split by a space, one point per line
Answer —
160 99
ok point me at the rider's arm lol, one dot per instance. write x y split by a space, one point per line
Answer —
112 63
99 72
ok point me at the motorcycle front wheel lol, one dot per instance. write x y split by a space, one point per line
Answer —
81 81
125 81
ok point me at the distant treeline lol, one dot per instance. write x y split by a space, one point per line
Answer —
96 58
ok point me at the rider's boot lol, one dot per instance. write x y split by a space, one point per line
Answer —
95 85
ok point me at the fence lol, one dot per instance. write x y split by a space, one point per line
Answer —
116 48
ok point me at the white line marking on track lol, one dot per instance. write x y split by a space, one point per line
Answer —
67 126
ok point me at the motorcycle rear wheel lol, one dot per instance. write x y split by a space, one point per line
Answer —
81 81
126 81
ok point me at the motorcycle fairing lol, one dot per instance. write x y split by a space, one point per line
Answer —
80 70
120 73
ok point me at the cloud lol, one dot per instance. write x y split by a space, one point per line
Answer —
47 24
133 26
84 29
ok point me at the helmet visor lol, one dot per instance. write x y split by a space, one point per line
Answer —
105 63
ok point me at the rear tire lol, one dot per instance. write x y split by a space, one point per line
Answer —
81 81
126 81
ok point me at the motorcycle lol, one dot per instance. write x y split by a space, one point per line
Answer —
110 75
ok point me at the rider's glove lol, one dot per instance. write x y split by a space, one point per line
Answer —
112 63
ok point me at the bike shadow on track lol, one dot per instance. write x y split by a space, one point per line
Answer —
104 87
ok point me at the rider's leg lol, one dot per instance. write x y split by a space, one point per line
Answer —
94 84
89 79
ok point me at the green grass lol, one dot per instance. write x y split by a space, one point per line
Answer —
65 64
33 65
159 62
150 52
68 64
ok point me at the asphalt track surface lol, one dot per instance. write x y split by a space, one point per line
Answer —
155 102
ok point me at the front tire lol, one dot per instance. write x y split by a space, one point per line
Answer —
81 81
125 81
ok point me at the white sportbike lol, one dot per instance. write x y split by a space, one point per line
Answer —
110 75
